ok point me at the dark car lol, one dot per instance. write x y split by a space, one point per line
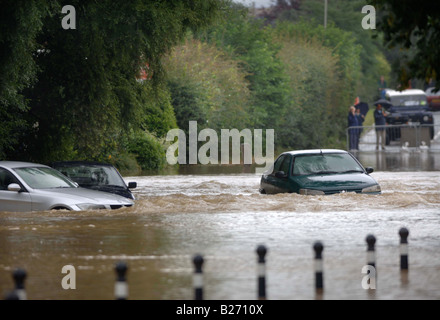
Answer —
433 99
97 176
405 107
318 172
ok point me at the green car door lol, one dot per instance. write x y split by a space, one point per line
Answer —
278 180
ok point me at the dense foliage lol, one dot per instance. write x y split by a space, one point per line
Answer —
113 87
74 93
415 27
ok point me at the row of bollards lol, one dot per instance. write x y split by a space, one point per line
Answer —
121 286
319 269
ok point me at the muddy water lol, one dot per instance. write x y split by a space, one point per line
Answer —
224 218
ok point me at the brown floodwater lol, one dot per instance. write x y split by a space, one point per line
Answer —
224 218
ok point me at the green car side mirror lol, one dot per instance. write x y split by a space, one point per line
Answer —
280 174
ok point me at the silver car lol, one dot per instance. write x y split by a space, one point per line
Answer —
28 187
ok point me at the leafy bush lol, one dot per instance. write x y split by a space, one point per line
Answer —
148 150
251 44
208 86
317 112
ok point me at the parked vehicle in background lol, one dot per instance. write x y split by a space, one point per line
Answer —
433 99
318 172
96 176
26 187
407 107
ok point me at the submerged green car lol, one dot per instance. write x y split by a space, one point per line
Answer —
318 172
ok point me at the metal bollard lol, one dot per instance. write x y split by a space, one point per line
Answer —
121 286
19 276
319 279
198 277
371 261
261 272
371 254
403 232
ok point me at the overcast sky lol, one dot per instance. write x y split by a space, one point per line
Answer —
258 3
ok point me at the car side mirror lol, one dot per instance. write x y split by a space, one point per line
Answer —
369 170
280 174
132 185
14 187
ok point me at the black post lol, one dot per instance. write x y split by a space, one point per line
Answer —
371 261
319 279
198 277
19 276
371 254
261 251
403 232
121 286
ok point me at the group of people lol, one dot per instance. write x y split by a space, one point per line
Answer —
355 119
355 122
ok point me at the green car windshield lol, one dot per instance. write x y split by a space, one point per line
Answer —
325 164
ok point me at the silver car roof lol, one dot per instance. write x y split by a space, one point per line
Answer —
19 164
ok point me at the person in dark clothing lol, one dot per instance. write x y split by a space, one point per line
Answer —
353 132
360 118
380 121
382 85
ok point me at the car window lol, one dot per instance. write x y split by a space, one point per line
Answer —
285 165
325 163
6 178
278 162
44 178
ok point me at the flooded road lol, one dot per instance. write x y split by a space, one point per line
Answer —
224 218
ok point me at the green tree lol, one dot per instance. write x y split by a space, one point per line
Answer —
87 94
343 47
20 22
251 43
345 15
412 25
207 85
316 117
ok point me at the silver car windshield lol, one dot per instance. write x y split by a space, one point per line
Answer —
44 178
325 164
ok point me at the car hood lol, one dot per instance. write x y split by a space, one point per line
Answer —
344 181
79 195
114 189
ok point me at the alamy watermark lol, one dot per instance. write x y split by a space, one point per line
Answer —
369 21
369 280
68 281
251 149
69 20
